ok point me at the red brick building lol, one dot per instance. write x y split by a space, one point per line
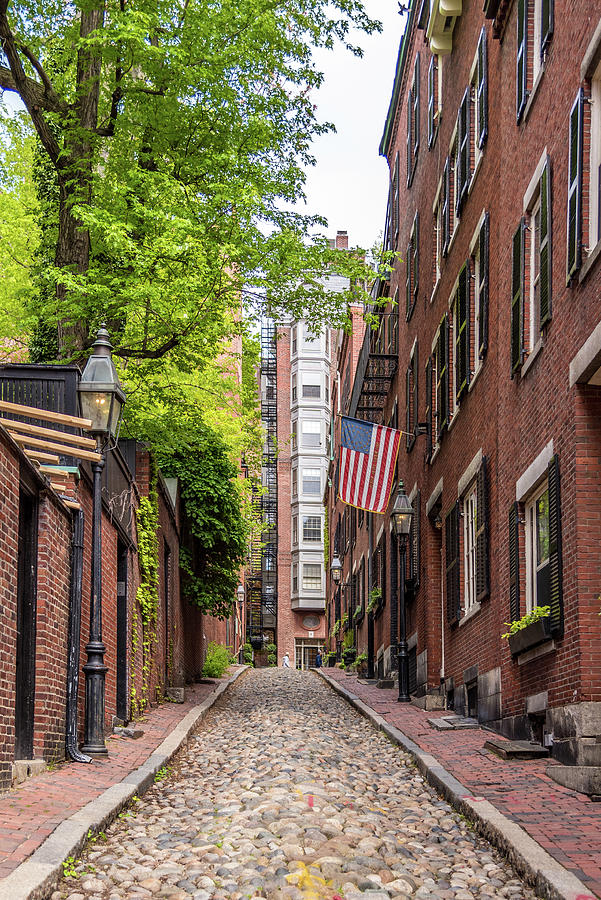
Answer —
493 138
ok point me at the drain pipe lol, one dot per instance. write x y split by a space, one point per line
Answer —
442 611
74 640
370 615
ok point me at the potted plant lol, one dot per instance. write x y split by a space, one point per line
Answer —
349 651
330 659
375 598
361 663
531 630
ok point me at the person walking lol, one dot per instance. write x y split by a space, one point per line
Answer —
286 662
318 660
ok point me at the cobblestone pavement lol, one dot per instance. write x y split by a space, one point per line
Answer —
286 792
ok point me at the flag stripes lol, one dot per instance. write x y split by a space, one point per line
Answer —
367 461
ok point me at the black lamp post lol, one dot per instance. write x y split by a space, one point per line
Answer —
101 399
336 572
240 594
401 514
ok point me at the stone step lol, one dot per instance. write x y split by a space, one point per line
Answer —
516 749
584 779
447 723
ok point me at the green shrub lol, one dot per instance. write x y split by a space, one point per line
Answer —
272 659
248 654
217 660
271 648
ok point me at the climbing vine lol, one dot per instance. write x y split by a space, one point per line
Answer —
147 522
326 539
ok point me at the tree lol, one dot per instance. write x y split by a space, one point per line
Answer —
178 132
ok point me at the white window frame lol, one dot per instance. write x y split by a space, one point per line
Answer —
311 431
437 213
531 203
295 578
594 219
532 566
312 578
319 529
293 342
453 151
294 434
470 524
311 379
294 530
311 343
476 152
293 389
294 480
313 470
475 362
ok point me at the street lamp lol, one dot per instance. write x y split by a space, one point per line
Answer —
336 570
401 515
101 398
240 594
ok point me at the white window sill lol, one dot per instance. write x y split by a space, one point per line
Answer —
533 94
474 375
590 261
532 356
479 158
453 418
435 453
435 289
453 236
469 614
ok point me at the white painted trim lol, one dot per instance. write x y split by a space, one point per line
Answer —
588 358
591 58
534 474
534 186
469 474
433 498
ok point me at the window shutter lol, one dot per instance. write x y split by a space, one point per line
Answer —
409 138
414 542
463 151
414 371
432 78
408 272
547 23
555 563
446 210
442 386
462 352
452 565
482 563
545 245
416 109
415 261
429 409
383 570
514 562
408 396
483 247
574 255
521 63
395 198
517 296
482 98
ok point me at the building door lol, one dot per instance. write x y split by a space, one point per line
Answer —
122 559
305 651
26 624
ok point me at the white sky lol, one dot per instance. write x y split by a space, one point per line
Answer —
349 184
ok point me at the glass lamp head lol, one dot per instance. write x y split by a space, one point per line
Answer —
101 396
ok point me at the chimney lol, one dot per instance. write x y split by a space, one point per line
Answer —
342 240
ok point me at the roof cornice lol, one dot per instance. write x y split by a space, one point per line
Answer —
398 80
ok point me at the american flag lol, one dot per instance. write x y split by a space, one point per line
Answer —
367 460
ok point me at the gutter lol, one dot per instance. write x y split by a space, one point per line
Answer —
398 80
74 641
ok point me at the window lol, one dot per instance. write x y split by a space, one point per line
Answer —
294 339
531 268
461 334
412 269
311 481
311 577
327 392
311 528
295 579
534 33
452 564
413 114
393 326
594 234
462 155
295 529
327 341
448 194
438 234
479 99
469 548
434 95
394 194
411 400
311 433
537 549
429 410
440 374
294 440
312 341
294 482
574 250
311 391
293 388
479 269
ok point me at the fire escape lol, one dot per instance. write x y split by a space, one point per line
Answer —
264 551
377 363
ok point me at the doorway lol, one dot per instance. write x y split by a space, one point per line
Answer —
27 577
305 651
122 561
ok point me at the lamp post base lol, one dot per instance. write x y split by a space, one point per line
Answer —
95 672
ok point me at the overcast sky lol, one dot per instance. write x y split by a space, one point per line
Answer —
349 184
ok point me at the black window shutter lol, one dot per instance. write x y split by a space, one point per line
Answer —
555 563
415 243
429 409
463 151
446 207
414 371
547 23
517 298
521 62
482 560
383 570
442 385
482 98
462 332
483 252
514 562
545 245
574 254
409 139
416 109
452 565
395 198
408 272
431 99
414 542
408 396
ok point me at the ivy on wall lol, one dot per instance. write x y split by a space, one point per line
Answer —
147 596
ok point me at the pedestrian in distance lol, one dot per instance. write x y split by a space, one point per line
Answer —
286 662
318 660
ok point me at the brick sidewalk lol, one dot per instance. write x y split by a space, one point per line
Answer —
566 824
31 812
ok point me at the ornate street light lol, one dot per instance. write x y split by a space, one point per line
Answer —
101 399
401 515
336 570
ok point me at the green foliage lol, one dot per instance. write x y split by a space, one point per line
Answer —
147 596
357 612
539 612
69 870
216 662
247 651
272 660
326 539
375 597
335 628
271 648
348 642
361 658
344 622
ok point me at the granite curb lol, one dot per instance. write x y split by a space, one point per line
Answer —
37 876
549 878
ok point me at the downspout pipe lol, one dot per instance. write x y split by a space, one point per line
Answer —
73 752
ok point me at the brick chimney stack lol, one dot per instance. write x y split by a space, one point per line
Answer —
342 240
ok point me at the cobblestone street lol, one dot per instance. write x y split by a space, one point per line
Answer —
286 792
